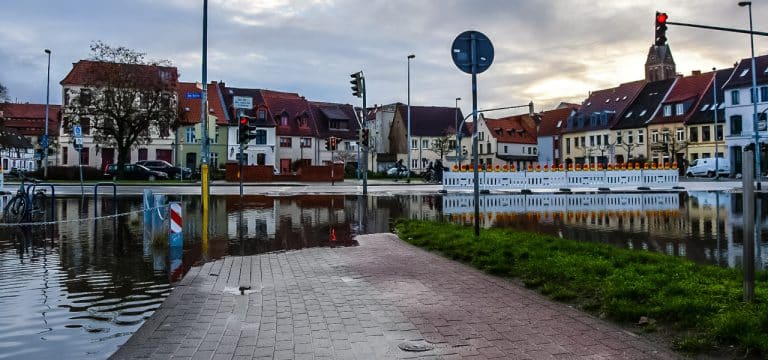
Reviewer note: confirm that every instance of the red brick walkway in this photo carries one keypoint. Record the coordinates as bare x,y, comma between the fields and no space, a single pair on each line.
361,303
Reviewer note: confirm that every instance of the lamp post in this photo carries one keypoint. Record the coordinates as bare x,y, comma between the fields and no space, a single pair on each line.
456,126
714,109
754,98
408,145
47,103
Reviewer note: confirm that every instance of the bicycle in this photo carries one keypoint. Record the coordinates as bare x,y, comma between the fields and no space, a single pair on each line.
27,205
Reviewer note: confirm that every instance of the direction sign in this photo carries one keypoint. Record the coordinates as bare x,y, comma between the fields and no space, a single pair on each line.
242,102
193,95
77,131
463,55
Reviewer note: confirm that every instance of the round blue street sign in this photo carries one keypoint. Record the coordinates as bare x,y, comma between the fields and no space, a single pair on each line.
464,58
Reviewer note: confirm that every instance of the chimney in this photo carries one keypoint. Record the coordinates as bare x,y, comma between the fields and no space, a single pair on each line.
695,72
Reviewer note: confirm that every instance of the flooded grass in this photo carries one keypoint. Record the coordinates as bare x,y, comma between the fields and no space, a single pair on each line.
701,304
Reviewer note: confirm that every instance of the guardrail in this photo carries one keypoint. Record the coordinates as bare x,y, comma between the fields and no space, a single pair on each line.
501,180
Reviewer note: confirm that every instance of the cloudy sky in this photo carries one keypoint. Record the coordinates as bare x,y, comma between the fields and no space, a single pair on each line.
546,51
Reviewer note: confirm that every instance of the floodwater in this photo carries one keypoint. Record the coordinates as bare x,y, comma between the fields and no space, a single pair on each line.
80,288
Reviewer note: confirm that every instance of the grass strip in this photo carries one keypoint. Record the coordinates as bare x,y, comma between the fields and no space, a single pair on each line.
701,303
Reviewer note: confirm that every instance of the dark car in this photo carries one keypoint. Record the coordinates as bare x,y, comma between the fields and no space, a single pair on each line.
135,172
174,172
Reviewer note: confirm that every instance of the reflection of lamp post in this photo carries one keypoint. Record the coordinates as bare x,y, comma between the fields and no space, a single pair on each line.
754,98
47,101
408,145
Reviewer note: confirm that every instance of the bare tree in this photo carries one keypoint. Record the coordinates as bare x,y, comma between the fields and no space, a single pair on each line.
344,156
629,147
441,145
126,99
669,144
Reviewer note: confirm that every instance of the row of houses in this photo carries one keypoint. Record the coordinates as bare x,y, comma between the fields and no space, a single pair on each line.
666,117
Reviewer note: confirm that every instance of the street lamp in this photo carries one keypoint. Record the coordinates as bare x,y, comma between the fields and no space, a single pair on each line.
754,98
408,145
47,102
456,126
714,109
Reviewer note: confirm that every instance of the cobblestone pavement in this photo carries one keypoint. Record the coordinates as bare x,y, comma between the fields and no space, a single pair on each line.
363,303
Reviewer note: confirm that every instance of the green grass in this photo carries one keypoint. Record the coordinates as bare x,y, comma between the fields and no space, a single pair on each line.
701,303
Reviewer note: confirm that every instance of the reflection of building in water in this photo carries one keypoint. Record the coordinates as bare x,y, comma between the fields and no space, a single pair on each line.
734,230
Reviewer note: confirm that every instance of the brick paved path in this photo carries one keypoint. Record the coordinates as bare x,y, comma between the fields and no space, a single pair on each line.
361,303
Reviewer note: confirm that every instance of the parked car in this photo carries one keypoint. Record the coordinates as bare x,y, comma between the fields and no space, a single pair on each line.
174,172
135,172
706,167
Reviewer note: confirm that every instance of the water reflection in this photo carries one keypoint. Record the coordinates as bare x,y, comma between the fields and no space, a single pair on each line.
81,288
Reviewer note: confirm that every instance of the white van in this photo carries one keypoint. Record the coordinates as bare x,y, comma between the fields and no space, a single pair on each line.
706,167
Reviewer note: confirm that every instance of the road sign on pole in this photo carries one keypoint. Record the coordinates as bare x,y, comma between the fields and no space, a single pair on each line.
242,102
472,52
77,131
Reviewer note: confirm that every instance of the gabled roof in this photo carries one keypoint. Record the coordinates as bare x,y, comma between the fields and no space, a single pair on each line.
228,94
554,121
742,74
610,102
516,129
687,90
190,98
325,112
87,72
431,120
705,113
29,119
294,106
645,105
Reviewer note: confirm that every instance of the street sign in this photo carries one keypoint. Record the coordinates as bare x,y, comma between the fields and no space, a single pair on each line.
242,102
193,95
464,58
45,141
78,141
78,131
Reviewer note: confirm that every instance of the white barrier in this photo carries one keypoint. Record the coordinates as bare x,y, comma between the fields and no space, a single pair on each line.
509,180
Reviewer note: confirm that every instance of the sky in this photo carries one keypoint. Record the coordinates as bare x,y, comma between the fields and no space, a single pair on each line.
546,51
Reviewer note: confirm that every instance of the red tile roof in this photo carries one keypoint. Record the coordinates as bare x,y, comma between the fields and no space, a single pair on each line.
190,98
516,129
550,120
688,90
295,107
29,119
88,72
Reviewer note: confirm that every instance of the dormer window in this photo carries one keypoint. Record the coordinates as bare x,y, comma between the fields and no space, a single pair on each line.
667,110
302,120
679,109
262,115
628,114
744,72
284,120
642,113
704,108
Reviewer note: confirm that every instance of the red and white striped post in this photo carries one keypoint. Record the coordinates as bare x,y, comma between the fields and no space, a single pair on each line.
176,237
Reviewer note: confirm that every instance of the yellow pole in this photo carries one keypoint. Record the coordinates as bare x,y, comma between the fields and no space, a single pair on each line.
204,178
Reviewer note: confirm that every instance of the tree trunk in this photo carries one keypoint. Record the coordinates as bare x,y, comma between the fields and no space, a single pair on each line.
123,157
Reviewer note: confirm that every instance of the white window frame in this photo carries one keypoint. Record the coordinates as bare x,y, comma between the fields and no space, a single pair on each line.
679,109
667,110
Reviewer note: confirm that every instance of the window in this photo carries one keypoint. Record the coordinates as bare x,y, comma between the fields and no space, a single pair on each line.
530,150
64,155
583,141
743,74
85,124
303,123
667,110
704,108
414,163
735,97
642,113
284,120
338,124
693,134
761,121
591,140
215,135
629,137
599,140
214,160
191,135
261,137
736,125
143,154
679,109
576,141
262,115
640,136
719,133
534,151
618,137
605,139
705,134
85,97
286,141
481,136
705,155
680,133
488,145
425,144
306,142
567,146
414,144
506,148
764,93
85,156
452,144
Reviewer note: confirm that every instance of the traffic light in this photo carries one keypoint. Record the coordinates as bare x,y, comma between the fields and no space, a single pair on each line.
358,84
366,137
661,28
243,130
333,142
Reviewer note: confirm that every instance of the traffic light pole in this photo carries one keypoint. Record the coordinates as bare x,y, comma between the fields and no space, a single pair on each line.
240,165
367,148
718,28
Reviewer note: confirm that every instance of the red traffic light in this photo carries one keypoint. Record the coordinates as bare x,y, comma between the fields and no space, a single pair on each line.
661,18
243,120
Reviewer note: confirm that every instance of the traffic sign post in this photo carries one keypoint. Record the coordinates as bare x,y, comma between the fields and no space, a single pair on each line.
472,52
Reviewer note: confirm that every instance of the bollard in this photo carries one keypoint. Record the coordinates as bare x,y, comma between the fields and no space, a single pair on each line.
748,199
176,236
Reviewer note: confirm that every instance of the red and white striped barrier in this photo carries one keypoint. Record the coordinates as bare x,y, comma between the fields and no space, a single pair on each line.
176,229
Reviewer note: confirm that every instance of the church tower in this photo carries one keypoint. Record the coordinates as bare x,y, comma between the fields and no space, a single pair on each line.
659,65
